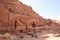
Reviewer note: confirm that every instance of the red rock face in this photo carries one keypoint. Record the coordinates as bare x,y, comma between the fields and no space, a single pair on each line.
16,16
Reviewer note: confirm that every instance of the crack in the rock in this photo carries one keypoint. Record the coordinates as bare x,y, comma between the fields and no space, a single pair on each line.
15,24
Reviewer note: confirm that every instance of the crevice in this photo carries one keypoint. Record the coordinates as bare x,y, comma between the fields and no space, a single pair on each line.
20,30
34,30
8,16
10,10
33,25
15,24
1,23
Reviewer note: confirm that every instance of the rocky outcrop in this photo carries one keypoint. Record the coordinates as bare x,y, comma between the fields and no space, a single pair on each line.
6,36
57,21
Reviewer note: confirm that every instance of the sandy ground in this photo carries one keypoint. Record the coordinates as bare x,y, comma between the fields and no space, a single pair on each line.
40,37
53,38
45,35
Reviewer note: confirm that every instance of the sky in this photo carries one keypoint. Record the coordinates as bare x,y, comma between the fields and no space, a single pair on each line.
45,8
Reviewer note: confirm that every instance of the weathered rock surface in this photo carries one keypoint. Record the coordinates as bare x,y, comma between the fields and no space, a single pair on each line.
57,21
18,17
6,36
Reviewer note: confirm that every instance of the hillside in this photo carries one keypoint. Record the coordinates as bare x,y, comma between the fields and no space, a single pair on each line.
16,17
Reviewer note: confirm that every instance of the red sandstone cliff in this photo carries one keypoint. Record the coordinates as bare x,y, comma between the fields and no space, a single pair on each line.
16,16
